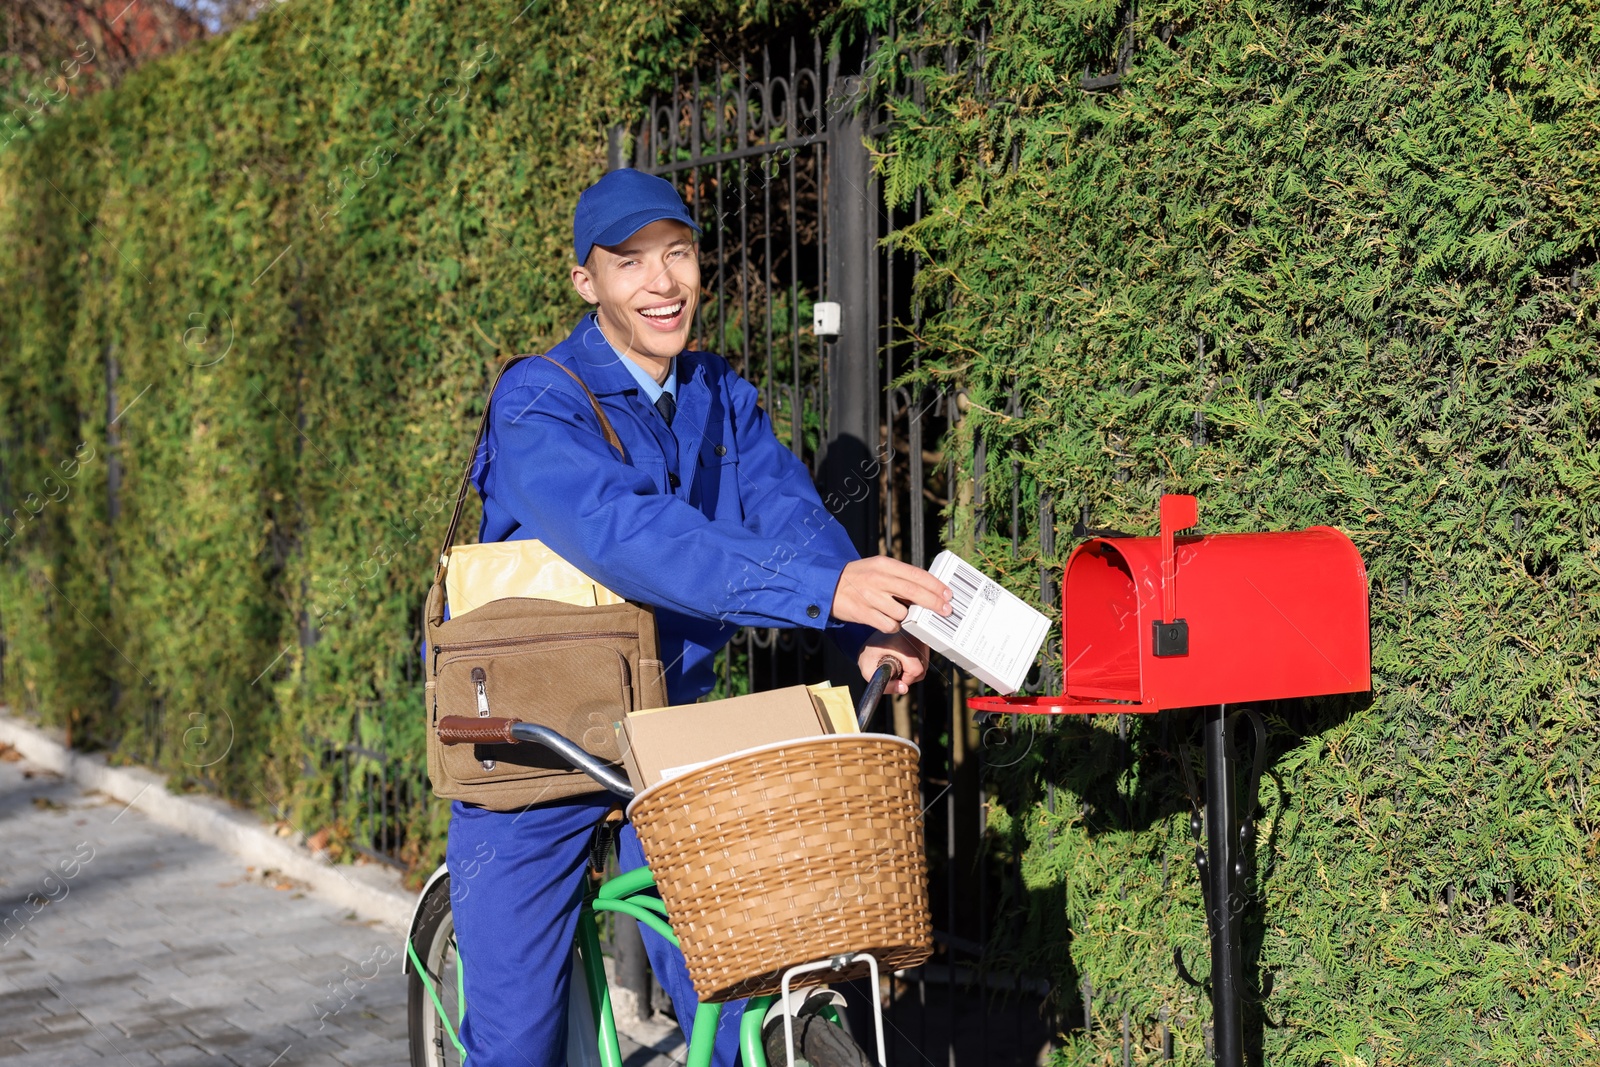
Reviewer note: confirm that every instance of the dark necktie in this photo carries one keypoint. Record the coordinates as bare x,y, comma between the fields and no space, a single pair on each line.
667,406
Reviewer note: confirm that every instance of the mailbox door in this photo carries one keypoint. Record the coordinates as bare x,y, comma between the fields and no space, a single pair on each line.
1100,624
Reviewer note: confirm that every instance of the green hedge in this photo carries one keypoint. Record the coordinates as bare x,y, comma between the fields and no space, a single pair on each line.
300,247
1315,263
1312,263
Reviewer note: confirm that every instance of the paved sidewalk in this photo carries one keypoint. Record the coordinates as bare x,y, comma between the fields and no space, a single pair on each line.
127,943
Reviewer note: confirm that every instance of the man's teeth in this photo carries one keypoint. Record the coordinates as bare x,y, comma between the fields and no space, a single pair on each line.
662,313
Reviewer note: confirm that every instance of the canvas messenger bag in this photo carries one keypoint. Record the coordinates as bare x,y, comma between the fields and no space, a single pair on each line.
577,668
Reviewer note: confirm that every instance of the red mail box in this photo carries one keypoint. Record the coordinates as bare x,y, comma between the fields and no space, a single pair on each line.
1174,622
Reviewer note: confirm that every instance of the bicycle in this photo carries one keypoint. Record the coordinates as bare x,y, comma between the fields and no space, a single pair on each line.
811,1033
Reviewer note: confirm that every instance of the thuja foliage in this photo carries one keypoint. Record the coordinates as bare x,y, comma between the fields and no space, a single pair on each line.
1314,263
249,303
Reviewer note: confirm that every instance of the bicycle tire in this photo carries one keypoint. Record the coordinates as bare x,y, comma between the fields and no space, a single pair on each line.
817,1043
434,944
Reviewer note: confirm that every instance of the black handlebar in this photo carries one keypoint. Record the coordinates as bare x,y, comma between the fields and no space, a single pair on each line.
888,668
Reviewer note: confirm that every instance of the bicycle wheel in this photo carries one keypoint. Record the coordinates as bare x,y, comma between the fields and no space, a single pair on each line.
817,1043
433,1041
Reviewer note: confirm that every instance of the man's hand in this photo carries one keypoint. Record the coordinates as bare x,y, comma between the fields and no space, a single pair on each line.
877,592
911,654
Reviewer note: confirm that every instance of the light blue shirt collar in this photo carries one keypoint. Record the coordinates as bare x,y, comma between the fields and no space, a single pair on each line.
648,386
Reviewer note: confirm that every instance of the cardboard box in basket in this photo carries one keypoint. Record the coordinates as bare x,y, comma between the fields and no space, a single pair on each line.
662,743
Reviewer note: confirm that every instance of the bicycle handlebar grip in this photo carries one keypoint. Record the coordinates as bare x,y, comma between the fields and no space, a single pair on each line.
888,667
461,730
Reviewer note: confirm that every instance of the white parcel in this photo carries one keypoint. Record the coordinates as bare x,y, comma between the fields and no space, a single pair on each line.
989,630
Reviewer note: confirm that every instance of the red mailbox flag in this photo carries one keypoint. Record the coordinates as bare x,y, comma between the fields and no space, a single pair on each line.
1178,513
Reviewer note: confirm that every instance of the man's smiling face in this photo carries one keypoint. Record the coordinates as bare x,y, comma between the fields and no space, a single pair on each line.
646,289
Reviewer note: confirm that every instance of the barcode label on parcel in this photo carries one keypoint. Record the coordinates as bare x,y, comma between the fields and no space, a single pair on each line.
989,631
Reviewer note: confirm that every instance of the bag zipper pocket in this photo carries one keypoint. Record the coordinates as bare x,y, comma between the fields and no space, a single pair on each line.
481,680
501,642
439,651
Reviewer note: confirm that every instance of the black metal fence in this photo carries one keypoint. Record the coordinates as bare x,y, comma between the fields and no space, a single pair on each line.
770,154
377,793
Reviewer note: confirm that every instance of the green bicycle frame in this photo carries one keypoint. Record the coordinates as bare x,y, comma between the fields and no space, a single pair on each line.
627,894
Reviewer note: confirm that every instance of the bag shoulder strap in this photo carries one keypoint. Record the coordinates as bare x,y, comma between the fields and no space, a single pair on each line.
606,430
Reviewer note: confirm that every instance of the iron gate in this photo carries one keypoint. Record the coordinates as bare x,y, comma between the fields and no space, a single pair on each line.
770,154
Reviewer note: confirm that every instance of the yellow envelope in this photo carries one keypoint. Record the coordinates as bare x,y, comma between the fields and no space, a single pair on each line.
838,706
477,574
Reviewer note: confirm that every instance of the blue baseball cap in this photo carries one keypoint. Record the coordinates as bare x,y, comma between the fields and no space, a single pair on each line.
621,204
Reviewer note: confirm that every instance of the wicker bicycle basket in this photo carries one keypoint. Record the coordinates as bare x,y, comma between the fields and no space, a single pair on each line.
789,853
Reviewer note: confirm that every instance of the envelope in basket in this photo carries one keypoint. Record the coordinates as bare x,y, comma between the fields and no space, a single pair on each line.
477,574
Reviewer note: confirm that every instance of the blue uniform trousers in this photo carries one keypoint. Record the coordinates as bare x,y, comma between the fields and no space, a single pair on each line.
516,883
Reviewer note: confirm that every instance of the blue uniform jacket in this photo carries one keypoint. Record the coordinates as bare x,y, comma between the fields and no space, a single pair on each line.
712,522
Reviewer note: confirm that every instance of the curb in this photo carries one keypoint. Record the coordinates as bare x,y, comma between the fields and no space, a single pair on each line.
370,891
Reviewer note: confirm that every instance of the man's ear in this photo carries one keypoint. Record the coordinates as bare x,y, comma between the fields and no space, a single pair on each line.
583,282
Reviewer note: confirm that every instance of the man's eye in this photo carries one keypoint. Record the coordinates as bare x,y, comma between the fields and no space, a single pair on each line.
628,263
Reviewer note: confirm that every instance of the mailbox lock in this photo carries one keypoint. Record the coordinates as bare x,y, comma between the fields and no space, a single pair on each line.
1171,638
